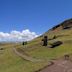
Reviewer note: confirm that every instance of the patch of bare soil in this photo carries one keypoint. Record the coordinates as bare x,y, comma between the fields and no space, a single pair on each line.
60,65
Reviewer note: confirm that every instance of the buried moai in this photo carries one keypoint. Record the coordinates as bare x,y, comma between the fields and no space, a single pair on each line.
45,41
66,57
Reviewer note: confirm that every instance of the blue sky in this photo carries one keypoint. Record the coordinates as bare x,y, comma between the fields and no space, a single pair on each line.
35,15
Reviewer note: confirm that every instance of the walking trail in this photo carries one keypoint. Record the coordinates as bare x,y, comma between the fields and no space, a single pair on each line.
60,65
26,56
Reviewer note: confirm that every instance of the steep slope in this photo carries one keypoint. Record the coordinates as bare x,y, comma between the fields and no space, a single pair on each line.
64,25
36,50
11,62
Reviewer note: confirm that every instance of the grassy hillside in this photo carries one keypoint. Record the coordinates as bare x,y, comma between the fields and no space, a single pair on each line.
11,62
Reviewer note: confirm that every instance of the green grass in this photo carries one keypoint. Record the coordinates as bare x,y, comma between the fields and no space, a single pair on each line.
45,52
10,62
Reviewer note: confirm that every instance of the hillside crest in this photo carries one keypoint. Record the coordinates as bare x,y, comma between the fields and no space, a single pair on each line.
67,24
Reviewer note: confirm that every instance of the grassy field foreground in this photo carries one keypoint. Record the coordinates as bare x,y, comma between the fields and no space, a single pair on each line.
10,62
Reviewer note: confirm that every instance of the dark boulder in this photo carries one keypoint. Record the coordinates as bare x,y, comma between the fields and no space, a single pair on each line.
66,27
55,44
1,48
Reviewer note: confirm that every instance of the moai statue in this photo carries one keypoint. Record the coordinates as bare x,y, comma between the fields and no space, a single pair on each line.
66,57
54,37
45,41
23,43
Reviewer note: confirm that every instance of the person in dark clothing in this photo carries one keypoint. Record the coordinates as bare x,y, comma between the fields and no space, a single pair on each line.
45,41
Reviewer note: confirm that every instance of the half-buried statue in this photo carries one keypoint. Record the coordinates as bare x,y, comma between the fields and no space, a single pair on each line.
45,41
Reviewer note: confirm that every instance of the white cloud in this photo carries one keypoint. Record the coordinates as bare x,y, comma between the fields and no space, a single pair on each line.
25,35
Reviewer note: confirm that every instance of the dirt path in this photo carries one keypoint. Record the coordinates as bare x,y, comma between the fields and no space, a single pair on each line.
59,66
25,56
